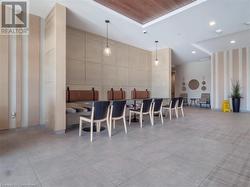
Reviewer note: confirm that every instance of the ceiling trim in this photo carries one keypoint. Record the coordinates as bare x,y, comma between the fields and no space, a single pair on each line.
202,49
175,12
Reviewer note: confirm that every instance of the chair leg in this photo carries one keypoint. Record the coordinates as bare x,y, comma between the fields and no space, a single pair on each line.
141,120
91,131
98,127
151,116
109,125
182,111
176,113
161,116
129,121
80,128
170,114
113,124
125,125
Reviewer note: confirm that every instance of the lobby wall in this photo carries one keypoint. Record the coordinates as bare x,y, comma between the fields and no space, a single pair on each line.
200,71
228,66
20,78
128,67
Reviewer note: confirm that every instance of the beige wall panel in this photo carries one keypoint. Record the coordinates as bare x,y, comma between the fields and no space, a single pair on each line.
34,65
220,78
109,75
60,116
235,64
75,71
75,44
93,73
122,77
19,69
244,78
94,48
4,82
122,55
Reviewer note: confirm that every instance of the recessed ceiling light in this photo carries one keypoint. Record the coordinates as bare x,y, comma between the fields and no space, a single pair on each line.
219,31
247,23
232,41
212,23
145,32
193,52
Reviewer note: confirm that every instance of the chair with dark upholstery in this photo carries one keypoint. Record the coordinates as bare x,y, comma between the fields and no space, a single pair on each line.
157,109
99,113
172,107
117,112
145,109
205,100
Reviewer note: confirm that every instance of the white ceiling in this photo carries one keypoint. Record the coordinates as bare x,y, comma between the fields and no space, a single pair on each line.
183,32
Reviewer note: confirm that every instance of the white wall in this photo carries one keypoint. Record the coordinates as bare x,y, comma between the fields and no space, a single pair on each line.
194,70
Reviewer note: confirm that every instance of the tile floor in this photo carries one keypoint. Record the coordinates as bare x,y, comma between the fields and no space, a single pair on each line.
204,149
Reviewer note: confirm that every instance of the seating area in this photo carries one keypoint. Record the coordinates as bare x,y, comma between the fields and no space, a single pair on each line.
124,93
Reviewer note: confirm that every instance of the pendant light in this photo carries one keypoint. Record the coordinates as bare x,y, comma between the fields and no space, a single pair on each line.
107,50
156,55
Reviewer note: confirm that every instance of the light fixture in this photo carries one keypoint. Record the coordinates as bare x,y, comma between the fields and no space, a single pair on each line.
219,31
193,52
212,23
232,41
156,55
107,50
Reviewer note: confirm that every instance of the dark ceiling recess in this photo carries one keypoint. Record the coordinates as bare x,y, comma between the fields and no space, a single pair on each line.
144,11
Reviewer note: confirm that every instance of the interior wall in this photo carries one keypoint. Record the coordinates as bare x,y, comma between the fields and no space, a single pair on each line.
4,82
228,66
128,67
20,82
161,74
200,71
55,68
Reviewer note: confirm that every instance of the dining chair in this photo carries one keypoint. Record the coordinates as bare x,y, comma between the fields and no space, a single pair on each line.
99,113
180,105
117,112
172,107
157,109
145,109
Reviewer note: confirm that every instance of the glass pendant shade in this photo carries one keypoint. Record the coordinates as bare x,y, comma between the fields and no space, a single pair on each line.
156,54
156,62
107,51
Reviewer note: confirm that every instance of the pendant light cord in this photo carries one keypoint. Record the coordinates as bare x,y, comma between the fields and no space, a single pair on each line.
107,38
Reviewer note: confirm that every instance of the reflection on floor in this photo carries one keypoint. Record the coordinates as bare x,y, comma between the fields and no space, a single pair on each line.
203,149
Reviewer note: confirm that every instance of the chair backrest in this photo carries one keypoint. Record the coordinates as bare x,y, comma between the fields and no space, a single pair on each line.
118,108
205,97
180,102
157,104
174,103
184,95
146,105
101,109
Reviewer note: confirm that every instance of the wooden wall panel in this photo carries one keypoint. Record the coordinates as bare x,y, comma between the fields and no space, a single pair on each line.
4,82
127,67
34,64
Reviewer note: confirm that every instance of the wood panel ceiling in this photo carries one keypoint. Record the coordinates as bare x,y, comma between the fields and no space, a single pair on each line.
144,11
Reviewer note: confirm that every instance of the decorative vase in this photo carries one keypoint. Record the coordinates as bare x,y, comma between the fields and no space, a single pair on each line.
236,104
